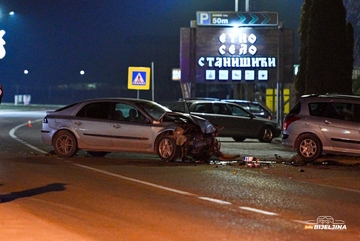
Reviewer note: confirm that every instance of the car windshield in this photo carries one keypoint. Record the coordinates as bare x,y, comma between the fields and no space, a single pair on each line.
153,109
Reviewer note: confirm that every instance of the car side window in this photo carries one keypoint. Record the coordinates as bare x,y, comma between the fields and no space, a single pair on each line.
316,109
357,112
178,107
129,113
220,109
99,110
237,111
334,110
203,108
256,108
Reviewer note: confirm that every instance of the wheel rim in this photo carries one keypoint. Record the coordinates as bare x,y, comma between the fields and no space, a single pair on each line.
308,148
267,134
64,144
166,148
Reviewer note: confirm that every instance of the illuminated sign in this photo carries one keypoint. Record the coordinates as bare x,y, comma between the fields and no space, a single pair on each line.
236,54
139,78
237,19
2,43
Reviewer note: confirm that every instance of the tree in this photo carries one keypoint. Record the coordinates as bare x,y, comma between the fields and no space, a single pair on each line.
326,54
303,35
353,15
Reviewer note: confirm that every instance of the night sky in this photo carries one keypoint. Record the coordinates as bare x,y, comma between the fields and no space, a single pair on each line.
55,39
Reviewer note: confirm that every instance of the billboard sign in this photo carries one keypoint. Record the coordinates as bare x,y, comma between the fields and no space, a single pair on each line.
236,54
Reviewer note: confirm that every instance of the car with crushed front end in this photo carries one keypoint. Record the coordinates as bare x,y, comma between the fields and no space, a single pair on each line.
237,122
101,126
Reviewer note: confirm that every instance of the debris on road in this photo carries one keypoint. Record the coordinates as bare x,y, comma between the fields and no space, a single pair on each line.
223,163
250,161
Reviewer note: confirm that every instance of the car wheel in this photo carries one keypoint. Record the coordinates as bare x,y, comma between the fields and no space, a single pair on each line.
309,147
167,149
239,138
65,144
97,153
266,134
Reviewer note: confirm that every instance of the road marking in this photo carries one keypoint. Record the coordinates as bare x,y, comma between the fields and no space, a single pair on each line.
12,134
214,200
135,180
259,211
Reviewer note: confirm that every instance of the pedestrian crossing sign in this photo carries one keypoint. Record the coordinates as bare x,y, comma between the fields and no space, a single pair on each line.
139,78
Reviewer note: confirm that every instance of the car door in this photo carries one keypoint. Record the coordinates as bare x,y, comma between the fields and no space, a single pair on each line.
134,132
339,126
222,116
246,125
93,126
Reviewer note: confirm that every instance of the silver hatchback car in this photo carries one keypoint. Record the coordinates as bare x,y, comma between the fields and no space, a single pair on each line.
323,124
100,126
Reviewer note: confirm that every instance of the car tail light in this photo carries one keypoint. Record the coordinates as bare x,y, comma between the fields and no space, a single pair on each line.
288,120
45,120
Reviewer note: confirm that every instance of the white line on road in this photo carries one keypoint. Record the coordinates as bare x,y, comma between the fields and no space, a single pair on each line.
214,200
135,180
259,211
12,134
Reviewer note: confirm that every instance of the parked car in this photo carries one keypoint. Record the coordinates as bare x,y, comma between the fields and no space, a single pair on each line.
238,123
323,124
100,126
254,107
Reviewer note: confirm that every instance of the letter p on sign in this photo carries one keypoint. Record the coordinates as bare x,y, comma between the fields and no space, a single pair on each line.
203,18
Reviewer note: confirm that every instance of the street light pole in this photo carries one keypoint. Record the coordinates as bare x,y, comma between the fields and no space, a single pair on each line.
247,5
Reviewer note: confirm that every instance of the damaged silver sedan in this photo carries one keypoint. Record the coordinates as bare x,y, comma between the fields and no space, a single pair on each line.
101,126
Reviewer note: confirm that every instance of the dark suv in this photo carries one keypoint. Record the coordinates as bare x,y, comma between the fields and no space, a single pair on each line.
323,124
238,123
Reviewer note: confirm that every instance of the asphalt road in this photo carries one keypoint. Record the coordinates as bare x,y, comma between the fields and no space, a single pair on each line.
138,197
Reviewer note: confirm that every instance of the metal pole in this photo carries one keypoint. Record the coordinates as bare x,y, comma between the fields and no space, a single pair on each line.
236,5
247,6
152,82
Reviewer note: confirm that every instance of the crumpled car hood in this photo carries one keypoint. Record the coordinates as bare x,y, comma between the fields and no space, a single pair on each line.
205,125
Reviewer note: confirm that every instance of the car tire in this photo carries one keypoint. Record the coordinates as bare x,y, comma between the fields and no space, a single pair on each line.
266,134
309,147
97,153
239,138
65,144
167,149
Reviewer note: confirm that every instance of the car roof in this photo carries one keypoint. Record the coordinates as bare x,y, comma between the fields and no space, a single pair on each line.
197,98
240,101
74,106
331,96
